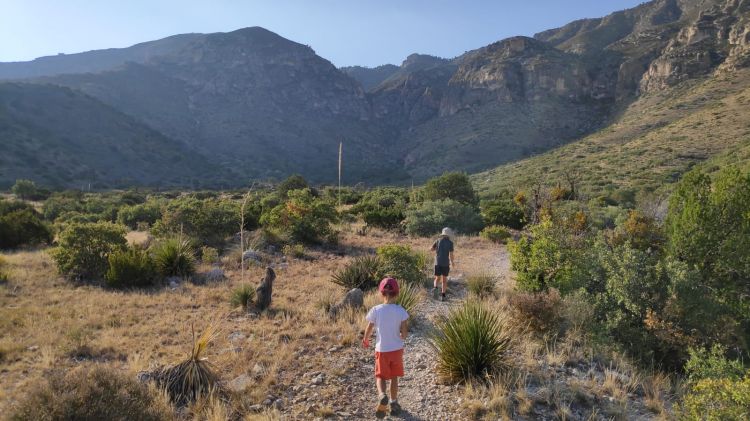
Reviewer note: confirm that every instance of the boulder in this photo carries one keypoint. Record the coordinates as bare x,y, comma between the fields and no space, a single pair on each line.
355,298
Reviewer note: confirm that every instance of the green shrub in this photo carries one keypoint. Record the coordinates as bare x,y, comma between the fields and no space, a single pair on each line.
712,399
481,285
471,343
712,364
59,204
4,277
409,296
503,212
303,218
24,189
134,215
209,255
92,393
294,250
349,196
131,268
363,272
382,207
293,182
83,249
454,186
242,296
402,263
496,234
208,221
23,228
428,218
175,257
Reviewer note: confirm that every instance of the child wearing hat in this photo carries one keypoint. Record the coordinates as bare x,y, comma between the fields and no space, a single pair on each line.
389,321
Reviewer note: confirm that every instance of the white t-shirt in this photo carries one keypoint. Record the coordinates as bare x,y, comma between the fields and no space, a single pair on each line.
387,319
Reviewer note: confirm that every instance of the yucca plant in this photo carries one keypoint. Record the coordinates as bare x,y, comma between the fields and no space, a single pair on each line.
242,296
471,343
193,378
481,285
409,296
363,273
175,257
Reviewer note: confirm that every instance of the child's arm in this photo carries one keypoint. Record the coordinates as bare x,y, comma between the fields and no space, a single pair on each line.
368,333
404,329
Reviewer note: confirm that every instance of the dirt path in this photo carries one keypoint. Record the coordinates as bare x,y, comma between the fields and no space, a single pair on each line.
421,397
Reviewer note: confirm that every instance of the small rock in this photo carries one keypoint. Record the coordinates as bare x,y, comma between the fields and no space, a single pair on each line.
256,408
33,348
311,408
267,402
258,370
173,281
318,380
278,404
354,299
214,275
251,254
236,336
240,383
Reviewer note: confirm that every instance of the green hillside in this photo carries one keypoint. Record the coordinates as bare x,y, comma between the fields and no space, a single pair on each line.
63,138
649,145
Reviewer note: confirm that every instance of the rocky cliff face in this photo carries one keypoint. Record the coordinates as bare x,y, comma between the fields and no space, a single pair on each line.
268,106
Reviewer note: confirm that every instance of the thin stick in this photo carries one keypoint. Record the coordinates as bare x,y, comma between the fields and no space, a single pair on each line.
242,233
341,148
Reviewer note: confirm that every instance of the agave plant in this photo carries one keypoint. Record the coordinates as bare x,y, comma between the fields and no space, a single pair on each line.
194,377
242,296
362,273
471,343
409,296
175,257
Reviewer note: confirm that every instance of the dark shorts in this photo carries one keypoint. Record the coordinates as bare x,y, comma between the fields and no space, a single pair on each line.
442,270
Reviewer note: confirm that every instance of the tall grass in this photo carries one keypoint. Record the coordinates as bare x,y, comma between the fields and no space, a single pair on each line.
242,296
471,343
409,296
481,285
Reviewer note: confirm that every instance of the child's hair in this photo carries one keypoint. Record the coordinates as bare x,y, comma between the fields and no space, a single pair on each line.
389,293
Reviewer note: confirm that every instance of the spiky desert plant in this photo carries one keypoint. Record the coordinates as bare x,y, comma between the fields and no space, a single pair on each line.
175,257
471,343
363,272
242,296
409,296
194,377
481,285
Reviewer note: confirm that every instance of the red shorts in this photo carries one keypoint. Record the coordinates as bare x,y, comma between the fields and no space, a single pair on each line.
389,364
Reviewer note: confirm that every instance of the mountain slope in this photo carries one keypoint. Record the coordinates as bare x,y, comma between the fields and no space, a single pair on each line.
63,138
655,141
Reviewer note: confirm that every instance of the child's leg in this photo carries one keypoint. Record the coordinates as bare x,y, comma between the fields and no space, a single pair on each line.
394,389
434,283
444,279
381,386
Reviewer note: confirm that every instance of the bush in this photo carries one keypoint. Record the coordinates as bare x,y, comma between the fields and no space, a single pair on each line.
59,204
208,221
540,311
303,218
242,296
24,189
503,212
209,255
409,295
428,218
712,399
83,249
132,268
362,272
175,257
481,285
471,343
20,228
92,393
712,364
402,263
293,182
382,207
4,277
294,250
496,234
454,186
136,215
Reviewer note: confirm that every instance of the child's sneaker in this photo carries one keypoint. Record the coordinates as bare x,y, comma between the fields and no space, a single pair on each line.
442,297
395,408
382,406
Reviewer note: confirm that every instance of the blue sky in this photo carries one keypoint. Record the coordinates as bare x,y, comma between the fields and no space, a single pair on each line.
346,32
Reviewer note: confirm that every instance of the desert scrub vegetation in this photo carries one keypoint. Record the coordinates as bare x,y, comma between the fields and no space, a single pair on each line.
303,218
383,207
92,393
496,234
83,249
481,285
208,221
175,257
131,268
409,296
402,263
471,343
503,212
21,225
429,217
363,272
243,296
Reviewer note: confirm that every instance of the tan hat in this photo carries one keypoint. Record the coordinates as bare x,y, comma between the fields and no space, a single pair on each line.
446,231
